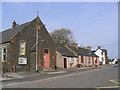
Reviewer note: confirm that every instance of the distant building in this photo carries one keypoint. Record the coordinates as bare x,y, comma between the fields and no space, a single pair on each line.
83,56
102,53
113,61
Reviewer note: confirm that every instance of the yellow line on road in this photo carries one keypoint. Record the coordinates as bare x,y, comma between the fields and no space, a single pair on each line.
114,81
98,88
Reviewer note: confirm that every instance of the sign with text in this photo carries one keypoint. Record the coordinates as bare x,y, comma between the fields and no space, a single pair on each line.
22,60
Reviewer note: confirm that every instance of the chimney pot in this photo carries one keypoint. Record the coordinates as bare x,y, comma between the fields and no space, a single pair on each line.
99,47
14,24
74,44
89,48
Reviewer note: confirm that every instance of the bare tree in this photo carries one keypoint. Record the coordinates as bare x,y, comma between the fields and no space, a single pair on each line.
62,36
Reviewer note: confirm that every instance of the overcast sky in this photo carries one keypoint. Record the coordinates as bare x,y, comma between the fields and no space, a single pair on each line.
91,23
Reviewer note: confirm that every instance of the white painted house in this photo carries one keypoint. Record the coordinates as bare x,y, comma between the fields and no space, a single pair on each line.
102,55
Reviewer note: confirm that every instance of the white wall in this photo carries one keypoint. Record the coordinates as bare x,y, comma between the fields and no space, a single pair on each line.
74,60
99,53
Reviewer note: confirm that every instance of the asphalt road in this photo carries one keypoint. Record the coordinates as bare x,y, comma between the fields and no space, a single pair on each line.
106,77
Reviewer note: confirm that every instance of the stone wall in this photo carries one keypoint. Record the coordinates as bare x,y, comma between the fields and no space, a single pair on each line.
59,60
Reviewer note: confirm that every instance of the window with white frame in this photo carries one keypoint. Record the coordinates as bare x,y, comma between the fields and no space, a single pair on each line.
22,47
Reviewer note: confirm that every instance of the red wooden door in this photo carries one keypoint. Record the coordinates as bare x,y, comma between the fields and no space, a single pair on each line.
46,58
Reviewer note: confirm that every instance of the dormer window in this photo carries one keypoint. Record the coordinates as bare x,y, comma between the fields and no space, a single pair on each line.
22,47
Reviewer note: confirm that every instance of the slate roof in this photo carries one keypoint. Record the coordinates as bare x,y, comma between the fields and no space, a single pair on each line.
78,52
8,34
93,54
94,51
104,50
81,51
64,51
86,51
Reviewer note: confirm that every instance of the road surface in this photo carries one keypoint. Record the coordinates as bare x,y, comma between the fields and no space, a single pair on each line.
106,77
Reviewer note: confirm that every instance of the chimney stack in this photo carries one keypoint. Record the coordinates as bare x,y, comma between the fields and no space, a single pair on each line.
14,24
74,44
89,48
99,47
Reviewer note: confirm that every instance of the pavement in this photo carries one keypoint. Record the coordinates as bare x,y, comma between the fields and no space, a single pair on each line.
21,75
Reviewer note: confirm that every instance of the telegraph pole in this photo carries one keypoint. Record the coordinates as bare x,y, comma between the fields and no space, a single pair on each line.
38,28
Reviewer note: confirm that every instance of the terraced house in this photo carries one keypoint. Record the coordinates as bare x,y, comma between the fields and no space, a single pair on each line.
65,58
83,55
19,46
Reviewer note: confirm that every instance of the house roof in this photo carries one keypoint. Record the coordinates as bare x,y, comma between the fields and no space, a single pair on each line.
74,49
93,54
82,51
8,34
94,51
104,50
86,51
64,51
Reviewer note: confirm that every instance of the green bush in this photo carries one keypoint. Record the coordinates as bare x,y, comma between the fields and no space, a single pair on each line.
116,62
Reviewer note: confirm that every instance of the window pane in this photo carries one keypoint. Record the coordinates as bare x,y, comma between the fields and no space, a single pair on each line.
22,48
22,44
4,50
4,57
22,51
45,51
